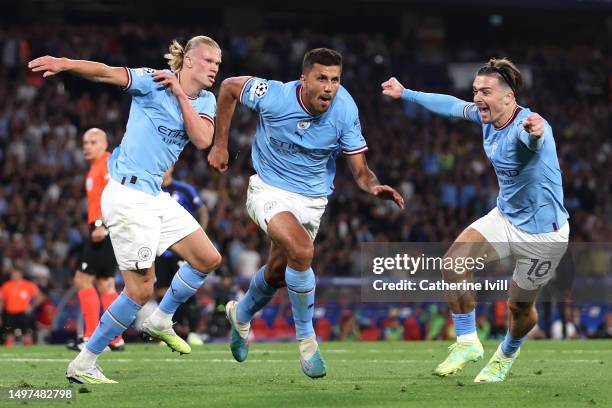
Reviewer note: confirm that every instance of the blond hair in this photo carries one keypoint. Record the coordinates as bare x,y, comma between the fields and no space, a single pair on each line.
176,52
505,70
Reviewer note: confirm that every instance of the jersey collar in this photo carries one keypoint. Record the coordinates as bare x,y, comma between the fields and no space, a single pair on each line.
298,95
514,115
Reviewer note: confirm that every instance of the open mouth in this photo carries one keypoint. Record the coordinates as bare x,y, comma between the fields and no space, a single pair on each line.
484,110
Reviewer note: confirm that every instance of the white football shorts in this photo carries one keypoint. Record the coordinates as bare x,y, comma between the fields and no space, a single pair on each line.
537,255
142,226
265,201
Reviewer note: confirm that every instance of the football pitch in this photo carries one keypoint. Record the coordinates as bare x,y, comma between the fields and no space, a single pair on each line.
380,374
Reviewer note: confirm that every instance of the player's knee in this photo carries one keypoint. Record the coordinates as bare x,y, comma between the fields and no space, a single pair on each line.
106,286
140,295
212,263
82,281
215,262
206,264
301,254
450,273
144,296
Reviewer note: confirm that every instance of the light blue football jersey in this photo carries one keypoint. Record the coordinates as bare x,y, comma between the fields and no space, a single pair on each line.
293,149
528,171
155,134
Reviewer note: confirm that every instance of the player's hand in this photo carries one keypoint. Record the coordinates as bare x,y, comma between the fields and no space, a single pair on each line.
534,125
218,158
170,81
393,88
388,193
50,65
98,234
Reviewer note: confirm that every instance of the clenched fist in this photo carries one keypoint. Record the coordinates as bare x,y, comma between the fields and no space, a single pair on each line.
534,125
393,88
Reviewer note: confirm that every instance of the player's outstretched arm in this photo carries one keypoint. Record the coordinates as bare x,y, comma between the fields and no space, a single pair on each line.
229,94
440,104
368,182
93,71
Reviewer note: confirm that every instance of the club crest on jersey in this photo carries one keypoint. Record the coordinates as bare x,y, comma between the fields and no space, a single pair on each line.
493,148
303,124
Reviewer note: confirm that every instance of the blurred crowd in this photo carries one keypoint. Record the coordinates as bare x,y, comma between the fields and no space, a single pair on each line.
437,164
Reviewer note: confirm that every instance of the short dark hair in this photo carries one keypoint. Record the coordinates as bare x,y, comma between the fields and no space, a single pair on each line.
323,56
506,71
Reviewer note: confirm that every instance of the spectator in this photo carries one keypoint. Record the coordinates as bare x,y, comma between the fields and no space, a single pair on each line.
394,330
604,331
347,328
435,323
483,327
249,261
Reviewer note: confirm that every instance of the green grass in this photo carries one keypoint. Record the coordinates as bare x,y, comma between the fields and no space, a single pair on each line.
559,374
